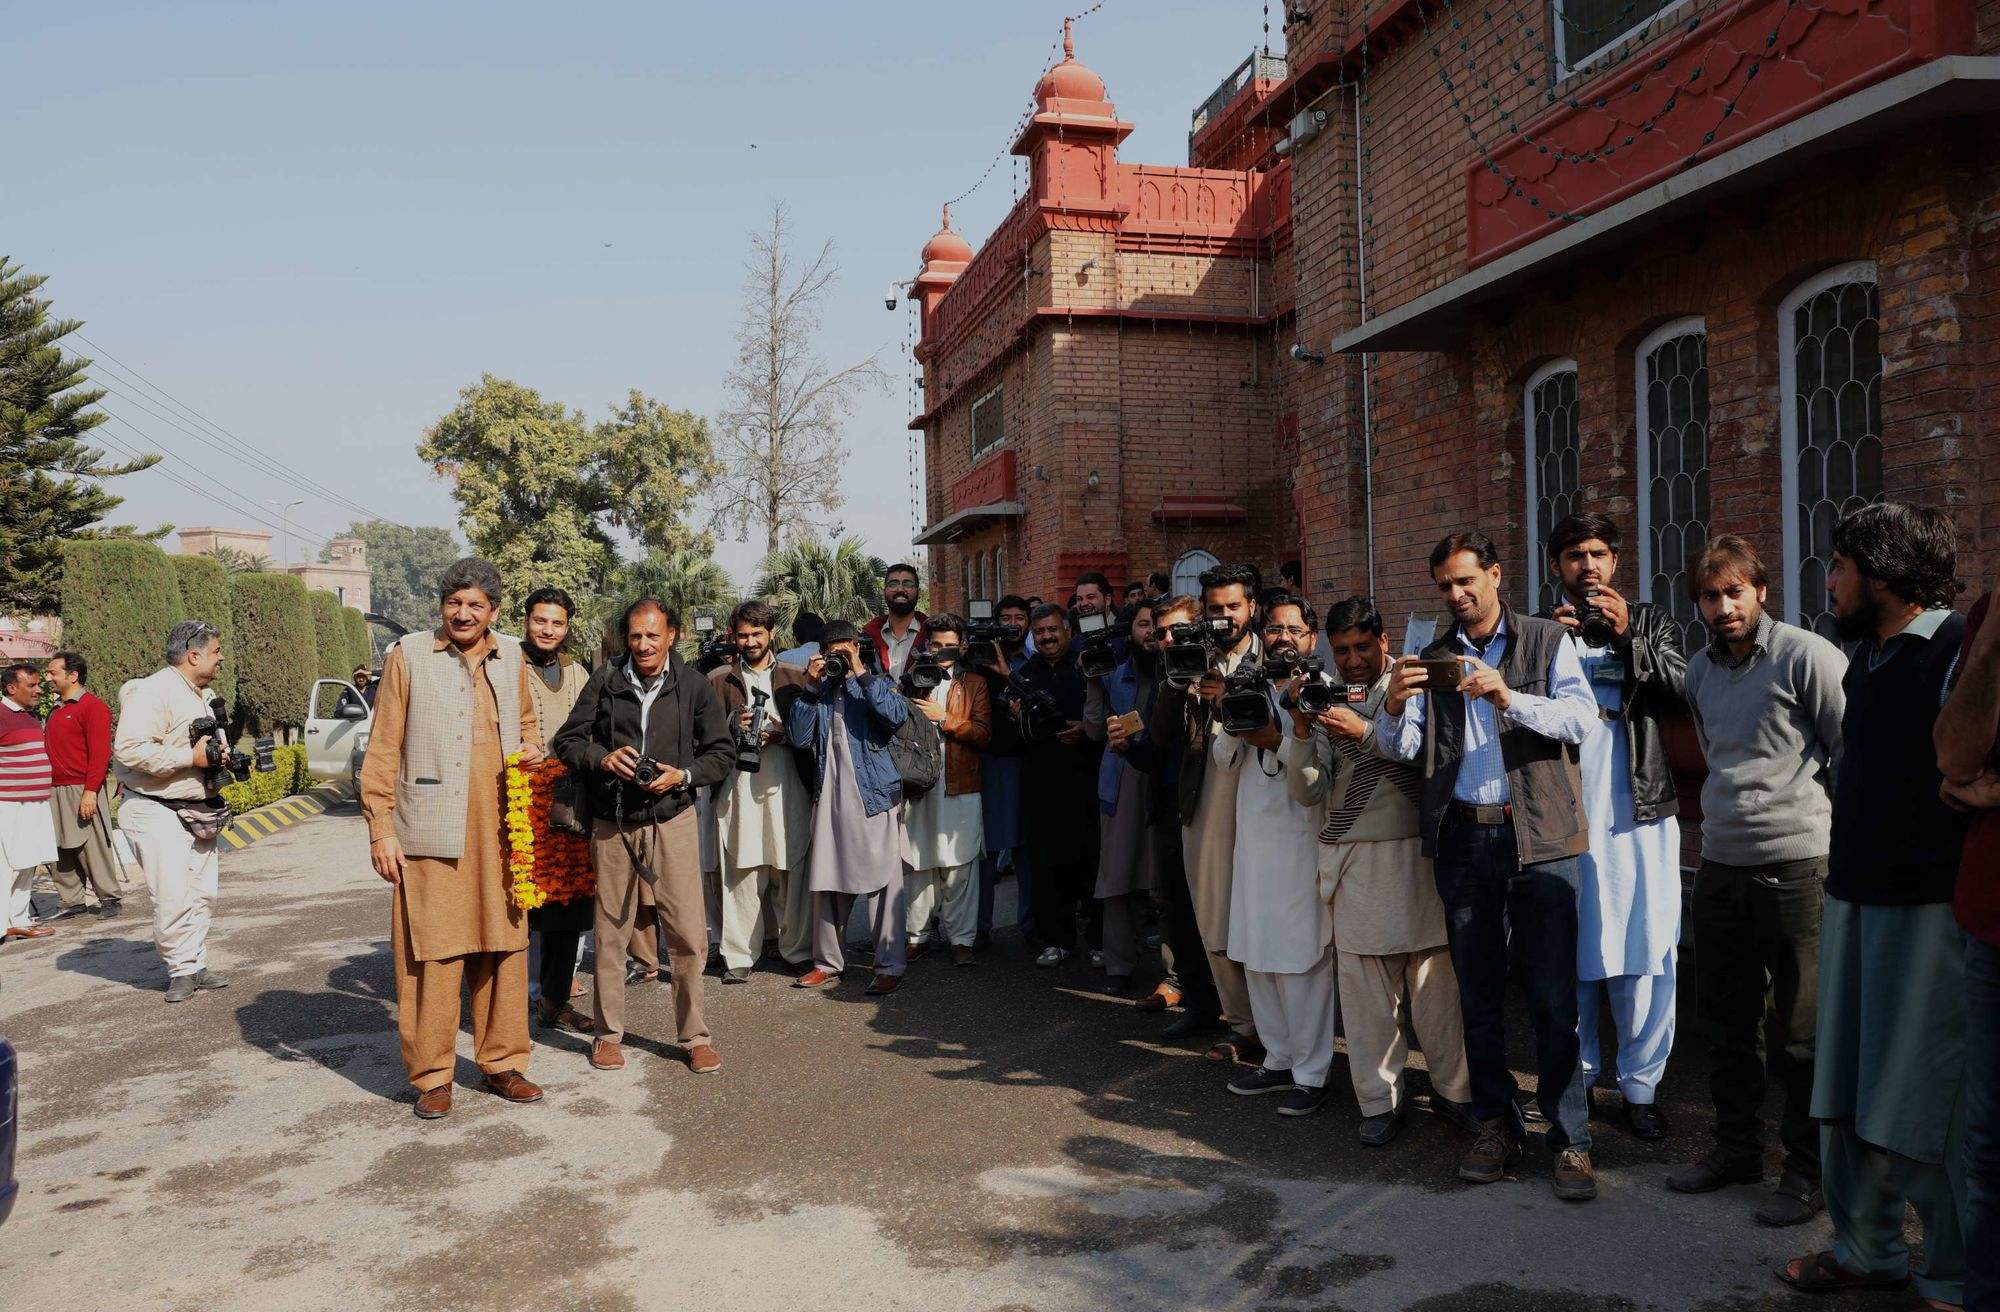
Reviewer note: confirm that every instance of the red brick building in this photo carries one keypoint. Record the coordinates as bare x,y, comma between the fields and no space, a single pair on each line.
1715,265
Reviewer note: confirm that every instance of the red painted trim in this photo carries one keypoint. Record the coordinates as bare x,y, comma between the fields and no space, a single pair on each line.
989,482
1199,510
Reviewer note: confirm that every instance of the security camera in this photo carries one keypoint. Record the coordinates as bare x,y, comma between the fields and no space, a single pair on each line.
1303,356
889,301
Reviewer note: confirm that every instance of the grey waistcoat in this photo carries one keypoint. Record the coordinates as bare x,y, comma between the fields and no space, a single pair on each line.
437,740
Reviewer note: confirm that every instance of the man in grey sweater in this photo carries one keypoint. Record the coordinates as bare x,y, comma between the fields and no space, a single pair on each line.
1767,704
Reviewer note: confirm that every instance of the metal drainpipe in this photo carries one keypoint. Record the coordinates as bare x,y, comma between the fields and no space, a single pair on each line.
1367,413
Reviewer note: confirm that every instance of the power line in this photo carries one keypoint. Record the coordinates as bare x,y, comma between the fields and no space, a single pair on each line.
210,491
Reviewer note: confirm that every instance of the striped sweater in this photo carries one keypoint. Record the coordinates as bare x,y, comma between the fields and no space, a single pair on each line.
24,758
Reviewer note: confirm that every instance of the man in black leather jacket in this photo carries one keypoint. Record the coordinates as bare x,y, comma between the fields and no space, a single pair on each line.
1629,908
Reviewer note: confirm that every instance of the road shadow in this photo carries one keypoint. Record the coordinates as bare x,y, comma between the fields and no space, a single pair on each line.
109,954
347,1027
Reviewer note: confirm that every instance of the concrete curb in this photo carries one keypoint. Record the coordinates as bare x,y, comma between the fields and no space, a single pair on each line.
266,820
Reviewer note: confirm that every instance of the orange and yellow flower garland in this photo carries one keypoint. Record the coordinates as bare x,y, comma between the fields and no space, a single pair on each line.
543,866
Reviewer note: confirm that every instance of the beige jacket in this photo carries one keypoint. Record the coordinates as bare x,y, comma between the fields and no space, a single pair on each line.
150,751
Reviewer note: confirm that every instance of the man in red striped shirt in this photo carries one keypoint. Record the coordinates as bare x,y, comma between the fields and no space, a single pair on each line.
79,739
27,830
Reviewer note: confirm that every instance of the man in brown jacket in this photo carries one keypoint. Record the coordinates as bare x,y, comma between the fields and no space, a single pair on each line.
944,829
453,705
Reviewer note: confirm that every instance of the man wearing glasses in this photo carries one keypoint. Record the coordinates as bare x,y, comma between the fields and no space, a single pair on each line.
902,628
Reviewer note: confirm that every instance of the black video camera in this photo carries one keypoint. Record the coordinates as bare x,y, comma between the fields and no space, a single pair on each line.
750,741
1197,646
981,627
1040,715
1097,657
927,669
715,649
1591,627
1246,693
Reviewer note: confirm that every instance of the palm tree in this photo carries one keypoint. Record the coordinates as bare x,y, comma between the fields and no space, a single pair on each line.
843,582
689,581
235,561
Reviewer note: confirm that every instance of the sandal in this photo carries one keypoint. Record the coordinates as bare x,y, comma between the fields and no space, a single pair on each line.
1822,1273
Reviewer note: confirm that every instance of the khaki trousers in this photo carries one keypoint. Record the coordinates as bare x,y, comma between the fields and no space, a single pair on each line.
427,1008
648,873
1375,994
948,893
181,874
92,859
755,895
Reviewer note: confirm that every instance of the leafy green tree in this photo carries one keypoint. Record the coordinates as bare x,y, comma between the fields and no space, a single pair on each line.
330,636
277,658
839,582
119,598
50,479
205,596
540,490
405,565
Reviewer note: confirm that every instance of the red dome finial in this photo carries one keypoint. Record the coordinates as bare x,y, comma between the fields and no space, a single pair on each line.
1069,80
946,246
1069,42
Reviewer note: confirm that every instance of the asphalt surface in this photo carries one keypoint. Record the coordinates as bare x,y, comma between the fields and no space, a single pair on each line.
999,1138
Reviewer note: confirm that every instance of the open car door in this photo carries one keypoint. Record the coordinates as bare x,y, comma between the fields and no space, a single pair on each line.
334,718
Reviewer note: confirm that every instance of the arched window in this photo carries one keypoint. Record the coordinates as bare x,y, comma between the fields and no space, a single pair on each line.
1670,369
1188,571
999,573
1830,419
1548,406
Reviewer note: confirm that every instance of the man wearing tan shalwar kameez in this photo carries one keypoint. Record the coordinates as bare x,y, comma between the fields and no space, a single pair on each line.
452,921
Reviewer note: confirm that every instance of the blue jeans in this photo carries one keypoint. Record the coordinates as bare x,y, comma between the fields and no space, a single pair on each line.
1490,897
1982,1126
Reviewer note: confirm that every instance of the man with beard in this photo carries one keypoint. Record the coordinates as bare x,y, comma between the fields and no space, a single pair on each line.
1058,782
1888,1088
1125,844
1184,721
901,628
555,679
1279,929
1766,701
763,817
1374,876
1629,910
1504,827
943,830
845,717
1000,776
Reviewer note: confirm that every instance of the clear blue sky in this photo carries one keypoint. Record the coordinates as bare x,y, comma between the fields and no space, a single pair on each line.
315,223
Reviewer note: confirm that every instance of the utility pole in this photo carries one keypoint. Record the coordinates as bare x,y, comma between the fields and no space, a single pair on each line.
285,519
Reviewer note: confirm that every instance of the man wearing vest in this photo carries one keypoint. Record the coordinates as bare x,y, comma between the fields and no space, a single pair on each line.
1502,821
555,679
943,830
1389,923
649,733
1889,1082
453,705
763,816
1968,746
1629,913
846,722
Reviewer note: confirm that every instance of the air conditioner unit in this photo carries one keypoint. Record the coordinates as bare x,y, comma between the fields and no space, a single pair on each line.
1305,126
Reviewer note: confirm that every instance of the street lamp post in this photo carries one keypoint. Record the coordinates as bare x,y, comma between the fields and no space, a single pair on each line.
285,519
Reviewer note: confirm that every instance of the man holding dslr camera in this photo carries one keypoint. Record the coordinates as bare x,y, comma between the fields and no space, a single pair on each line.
1000,648
763,815
170,756
943,830
1058,782
650,733
1629,906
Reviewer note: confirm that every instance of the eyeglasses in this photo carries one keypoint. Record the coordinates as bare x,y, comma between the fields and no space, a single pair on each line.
1287,630
899,587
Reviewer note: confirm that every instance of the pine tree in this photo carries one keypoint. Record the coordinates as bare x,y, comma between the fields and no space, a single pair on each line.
50,479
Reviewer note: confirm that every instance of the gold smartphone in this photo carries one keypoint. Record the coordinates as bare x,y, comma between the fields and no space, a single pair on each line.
1131,721
1444,673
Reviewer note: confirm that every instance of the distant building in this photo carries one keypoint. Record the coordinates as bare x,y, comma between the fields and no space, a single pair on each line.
344,573
29,638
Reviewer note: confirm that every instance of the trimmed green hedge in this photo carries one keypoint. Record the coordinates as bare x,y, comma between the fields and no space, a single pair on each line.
360,651
330,636
119,598
278,658
288,775
205,596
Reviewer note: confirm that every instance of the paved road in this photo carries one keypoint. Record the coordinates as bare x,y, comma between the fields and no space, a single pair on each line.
997,1139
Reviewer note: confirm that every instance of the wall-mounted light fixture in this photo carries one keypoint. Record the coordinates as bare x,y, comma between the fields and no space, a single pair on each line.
1303,356
1091,480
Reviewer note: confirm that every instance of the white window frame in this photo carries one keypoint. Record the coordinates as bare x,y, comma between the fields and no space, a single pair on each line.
1174,574
1559,46
1788,419
1536,532
972,417
1659,337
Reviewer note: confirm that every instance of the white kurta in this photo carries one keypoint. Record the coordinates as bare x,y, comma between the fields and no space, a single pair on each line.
765,818
1629,910
27,835
1278,923
940,832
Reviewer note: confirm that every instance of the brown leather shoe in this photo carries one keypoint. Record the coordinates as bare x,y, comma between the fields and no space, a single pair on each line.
433,1103
815,979
883,985
963,956
32,931
514,1087
607,1055
1163,996
1497,1148
702,1060
1576,1179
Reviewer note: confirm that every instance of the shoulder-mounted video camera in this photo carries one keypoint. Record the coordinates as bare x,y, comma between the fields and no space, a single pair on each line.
980,626
1196,649
1040,715
715,649
1097,657
1245,706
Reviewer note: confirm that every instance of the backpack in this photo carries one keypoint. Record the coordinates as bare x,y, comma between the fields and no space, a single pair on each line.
918,752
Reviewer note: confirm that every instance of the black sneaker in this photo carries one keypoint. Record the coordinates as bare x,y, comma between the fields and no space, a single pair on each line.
1379,1129
1303,1100
1456,1113
1262,1081
114,907
736,975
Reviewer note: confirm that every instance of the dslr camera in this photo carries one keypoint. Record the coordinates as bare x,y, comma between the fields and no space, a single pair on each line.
750,741
1591,626
715,649
1197,646
225,764
1097,657
645,772
834,667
